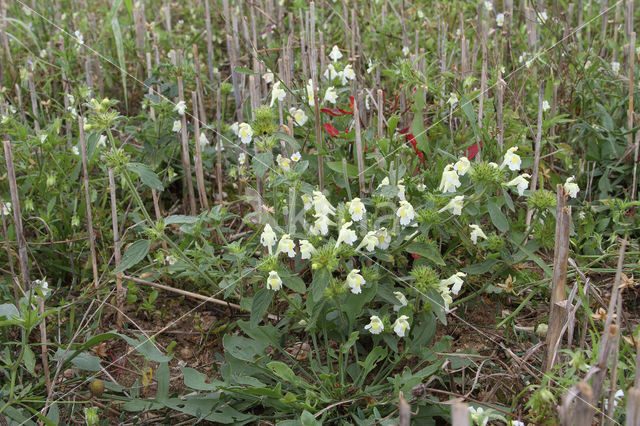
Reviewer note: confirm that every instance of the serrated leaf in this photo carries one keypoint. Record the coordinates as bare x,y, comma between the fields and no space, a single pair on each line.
427,251
134,254
262,162
146,175
260,304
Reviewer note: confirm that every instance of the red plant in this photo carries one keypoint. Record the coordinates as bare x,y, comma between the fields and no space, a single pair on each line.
473,150
331,130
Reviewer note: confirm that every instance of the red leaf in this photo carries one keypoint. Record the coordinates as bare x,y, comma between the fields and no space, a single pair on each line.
335,112
415,256
413,141
351,102
331,130
403,131
473,150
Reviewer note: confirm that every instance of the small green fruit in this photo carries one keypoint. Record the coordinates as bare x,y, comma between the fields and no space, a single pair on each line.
96,387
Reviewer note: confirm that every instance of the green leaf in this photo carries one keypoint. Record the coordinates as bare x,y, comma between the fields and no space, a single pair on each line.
243,348
534,257
288,139
162,377
262,163
146,175
242,70
195,380
9,310
508,201
423,334
86,362
480,268
427,251
179,219
353,337
144,346
437,304
129,5
418,131
81,360
295,283
319,283
497,217
29,360
336,166
468,111
284,372
260,304
307,419
134,254
376,355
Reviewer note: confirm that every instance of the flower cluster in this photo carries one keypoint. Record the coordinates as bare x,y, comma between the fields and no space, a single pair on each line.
400,326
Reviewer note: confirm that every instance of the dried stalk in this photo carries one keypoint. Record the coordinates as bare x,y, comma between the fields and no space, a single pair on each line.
380,114
610,335
207,21
558,310
483,75
116,247
404,411
23,258
87,197
630,67
190,294
219,142
167,15
583,408
459,414
316,94
633,405
156,209
202,194
537,148
34,102
499,111
186,160
14,278
152,111
359,152
202,115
